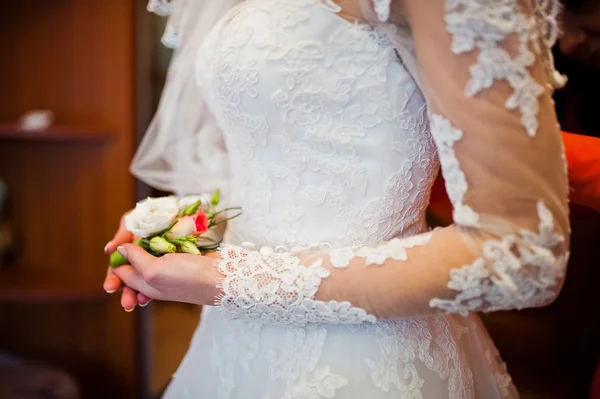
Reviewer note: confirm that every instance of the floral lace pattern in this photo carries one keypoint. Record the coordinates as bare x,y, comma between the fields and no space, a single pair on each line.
394,249
239,344
407,344
483,26
323,127
275,287
456,183
297,366
514,272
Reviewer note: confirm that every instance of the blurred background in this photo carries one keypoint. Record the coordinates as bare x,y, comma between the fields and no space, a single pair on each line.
99,67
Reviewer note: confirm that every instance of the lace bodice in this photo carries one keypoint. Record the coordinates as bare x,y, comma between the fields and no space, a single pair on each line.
333,130
309,111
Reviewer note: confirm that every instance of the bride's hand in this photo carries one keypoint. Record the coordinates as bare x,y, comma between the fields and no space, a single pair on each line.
112,283
172,277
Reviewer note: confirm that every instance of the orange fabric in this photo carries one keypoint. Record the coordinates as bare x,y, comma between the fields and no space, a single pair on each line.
583,158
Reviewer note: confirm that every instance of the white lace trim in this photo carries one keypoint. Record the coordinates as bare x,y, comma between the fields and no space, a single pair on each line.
276,288
394,249
514,272
445,136
484,25
382,9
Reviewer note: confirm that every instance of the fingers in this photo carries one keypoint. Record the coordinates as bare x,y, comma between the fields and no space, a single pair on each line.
131,278
128,299
139,259
122,236
143,300
112,283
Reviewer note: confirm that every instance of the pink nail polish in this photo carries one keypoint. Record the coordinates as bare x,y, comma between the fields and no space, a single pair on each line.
143,305
106,246
122,251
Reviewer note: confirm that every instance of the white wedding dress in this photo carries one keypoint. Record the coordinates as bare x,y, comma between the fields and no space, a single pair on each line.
331,148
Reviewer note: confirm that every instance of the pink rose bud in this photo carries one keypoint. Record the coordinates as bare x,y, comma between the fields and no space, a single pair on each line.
186,226
201,222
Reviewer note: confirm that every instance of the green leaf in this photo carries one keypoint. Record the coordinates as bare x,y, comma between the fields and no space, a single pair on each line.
192,209
215,198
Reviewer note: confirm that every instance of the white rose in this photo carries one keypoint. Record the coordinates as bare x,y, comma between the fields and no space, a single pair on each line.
188,200
151,216
186,226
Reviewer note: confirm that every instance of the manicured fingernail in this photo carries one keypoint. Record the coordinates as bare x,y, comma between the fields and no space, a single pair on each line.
106,246
110,291
122,251
129,310
143,305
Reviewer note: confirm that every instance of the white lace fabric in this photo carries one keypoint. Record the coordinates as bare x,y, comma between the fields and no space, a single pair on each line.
274,287
329,140
500,151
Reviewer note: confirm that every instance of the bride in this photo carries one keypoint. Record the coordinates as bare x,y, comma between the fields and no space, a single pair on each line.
327,121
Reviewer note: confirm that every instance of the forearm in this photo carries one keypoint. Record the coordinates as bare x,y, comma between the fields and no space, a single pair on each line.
403,287
453,270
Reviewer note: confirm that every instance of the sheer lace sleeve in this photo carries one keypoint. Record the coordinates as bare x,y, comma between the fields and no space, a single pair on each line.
485,72
183,150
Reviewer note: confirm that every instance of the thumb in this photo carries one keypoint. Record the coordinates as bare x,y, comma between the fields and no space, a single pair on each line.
138,258
121,236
